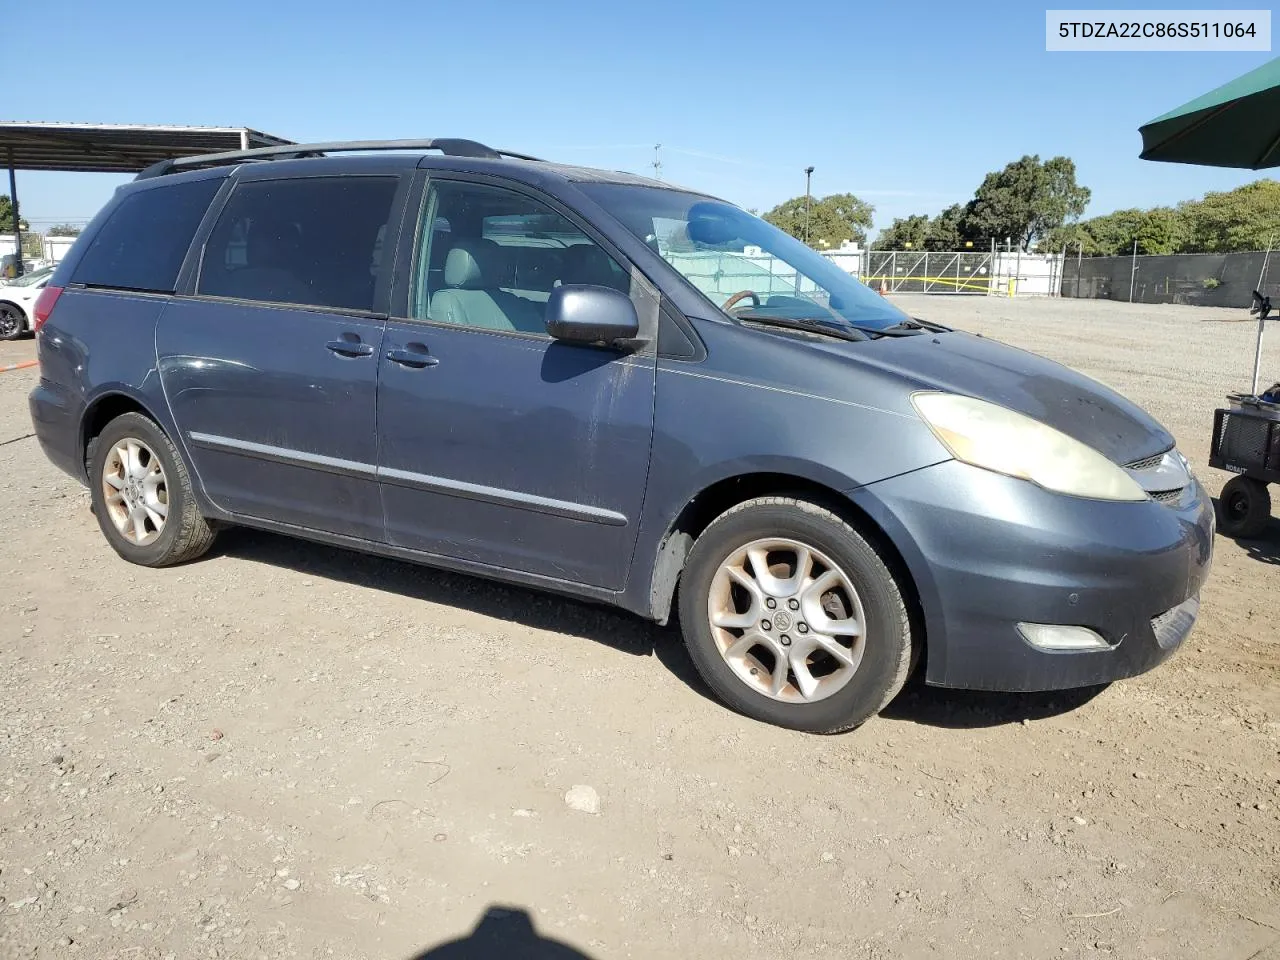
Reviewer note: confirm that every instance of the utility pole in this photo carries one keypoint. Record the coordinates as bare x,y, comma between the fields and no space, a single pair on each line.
808,200
657,161
1133,271
1262,319
1017,271
13,205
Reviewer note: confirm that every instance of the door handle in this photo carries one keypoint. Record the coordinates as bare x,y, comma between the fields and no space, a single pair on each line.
349,348
417,359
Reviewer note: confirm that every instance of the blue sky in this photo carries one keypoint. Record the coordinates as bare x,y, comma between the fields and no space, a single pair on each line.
906,105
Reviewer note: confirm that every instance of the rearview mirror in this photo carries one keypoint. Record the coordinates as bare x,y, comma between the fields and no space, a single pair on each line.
712,231
583,313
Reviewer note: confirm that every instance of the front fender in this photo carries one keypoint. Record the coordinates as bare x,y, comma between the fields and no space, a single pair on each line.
710,427
868,499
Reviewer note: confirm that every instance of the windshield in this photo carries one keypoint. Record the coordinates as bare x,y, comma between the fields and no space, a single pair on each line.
31,279
725,251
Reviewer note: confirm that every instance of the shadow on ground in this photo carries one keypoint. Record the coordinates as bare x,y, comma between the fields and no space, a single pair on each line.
1265,548
503,933
621,631
973,709
526,607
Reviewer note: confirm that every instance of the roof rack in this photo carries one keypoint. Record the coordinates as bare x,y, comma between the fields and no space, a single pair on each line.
449,146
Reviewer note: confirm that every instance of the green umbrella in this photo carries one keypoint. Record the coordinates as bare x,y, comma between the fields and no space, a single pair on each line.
1237,125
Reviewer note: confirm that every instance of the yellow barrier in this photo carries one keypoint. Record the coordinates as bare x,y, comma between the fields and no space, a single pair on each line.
983,285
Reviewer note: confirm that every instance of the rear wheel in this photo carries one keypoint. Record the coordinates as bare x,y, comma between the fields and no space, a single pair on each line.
12,322
1244,507
793,618
142,495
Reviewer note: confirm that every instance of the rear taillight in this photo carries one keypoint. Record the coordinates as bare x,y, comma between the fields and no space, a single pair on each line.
44,305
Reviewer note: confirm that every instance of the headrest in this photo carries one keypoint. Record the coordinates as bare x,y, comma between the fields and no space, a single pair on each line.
587,263
473,264
270,242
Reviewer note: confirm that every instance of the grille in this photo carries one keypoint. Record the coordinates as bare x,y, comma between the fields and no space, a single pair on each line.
1172,626
1151,471
1243,440
1146,463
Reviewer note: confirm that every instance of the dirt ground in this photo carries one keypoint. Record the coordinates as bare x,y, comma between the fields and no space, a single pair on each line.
286,750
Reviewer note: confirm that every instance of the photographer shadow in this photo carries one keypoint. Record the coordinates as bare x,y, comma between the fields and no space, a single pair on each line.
503,933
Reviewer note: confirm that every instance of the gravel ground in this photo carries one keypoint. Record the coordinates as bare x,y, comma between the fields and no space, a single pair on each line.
286,750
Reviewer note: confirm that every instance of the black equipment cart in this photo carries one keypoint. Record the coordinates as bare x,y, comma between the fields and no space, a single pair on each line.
1246,442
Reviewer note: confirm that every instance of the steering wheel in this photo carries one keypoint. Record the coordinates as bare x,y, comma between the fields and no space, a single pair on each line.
739,297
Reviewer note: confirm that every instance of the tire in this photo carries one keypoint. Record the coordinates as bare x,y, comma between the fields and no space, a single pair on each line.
870,671
13,323
1244,508
172,529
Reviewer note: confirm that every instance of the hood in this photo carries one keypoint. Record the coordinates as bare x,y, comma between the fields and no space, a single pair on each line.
1055,395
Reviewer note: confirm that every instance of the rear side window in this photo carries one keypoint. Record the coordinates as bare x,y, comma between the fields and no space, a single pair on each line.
316,242
143,243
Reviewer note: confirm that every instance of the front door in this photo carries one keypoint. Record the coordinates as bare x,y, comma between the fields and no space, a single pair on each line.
271,368
499,445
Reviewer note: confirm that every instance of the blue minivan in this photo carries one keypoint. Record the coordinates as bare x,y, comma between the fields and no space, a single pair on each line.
594,383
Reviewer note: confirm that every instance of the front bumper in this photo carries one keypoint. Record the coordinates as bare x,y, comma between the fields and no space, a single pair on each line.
987,552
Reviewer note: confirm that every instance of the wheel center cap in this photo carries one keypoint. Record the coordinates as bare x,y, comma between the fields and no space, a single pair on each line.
782,620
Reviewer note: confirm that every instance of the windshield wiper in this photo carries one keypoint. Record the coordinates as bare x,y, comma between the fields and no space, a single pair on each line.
915,323
852,332
897,330
854,335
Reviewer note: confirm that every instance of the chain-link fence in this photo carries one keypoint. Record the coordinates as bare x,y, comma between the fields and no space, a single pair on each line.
929,272
1202,279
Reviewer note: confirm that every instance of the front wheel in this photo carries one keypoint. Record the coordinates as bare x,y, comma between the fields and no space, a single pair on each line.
793,618
142,495
1244,508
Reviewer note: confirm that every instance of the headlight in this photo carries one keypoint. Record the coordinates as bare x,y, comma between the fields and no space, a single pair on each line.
990,436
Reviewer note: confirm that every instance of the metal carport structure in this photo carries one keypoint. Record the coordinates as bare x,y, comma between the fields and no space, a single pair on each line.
110,148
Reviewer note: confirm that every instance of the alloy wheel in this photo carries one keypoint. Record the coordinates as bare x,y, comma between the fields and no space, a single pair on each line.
787,620
136,491
10,323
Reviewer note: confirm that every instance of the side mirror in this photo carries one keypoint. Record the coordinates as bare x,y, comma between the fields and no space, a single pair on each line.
583,313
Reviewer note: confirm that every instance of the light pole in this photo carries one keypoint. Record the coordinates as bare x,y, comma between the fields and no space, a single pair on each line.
808,173
1133,271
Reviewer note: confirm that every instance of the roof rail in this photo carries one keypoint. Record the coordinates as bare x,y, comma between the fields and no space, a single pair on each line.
449,146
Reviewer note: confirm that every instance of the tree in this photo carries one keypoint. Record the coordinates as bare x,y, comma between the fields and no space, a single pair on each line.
1242,219
6,215
1246,218
1071,236
949,230
903,232
1027,199
1159,230
833,219
952,227
64,230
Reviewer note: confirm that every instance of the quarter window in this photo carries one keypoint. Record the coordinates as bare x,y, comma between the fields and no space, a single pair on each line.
143,243
489,258
317,242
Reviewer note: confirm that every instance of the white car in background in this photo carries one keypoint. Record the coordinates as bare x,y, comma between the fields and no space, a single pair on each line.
17,297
